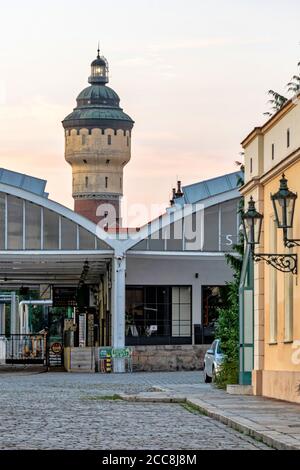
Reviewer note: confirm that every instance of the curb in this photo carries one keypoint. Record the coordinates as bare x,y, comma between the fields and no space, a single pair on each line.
242,427
237,423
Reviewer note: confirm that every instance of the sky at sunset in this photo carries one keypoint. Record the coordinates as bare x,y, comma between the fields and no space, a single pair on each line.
193,75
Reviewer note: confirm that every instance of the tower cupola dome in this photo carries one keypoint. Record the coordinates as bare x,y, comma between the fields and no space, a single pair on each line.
98,146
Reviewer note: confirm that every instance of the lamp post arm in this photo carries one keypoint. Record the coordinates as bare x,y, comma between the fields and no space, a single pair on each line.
284,262
290,242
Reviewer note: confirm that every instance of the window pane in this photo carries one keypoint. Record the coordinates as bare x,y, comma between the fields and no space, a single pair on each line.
185,311
175,313
174,236
156,242
185,295
185,329
142,245
2,221
181,311
32,226
51,230
14,223
175,295
150,294
163,295
228,225
212,300
101,245
211,229
86,240
68,235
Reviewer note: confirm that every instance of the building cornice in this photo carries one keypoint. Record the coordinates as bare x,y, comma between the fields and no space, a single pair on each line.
286,108
276,170
250,185
281,166
250,137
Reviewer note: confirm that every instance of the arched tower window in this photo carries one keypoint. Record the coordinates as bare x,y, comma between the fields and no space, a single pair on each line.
106,181
109,139
86,181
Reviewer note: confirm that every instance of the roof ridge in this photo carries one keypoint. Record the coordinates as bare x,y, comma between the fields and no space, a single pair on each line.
211,179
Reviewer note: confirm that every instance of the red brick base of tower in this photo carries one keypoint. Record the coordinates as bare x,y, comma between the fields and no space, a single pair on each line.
96,210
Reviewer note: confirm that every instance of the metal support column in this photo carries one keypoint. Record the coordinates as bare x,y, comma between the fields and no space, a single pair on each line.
2,319
118,308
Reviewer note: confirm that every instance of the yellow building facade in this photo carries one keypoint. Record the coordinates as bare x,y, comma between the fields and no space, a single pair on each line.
270,151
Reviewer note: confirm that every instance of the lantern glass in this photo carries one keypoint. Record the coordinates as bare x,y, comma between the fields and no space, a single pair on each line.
252,223
284,205
98,70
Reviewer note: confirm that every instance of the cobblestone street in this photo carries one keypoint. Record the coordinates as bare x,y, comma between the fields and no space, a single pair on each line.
66,411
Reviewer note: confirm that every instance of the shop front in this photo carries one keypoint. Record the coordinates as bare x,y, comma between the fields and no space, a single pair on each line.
158,315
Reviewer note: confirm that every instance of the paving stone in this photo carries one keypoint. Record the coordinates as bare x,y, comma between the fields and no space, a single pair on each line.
65,411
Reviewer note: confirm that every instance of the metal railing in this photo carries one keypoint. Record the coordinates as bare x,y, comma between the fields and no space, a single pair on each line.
23,349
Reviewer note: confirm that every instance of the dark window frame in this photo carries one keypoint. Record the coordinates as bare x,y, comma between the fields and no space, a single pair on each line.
207,338
167,339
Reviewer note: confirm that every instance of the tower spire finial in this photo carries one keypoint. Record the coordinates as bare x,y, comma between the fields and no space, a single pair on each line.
98,50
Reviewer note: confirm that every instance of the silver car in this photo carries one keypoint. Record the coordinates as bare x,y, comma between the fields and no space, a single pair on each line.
212,361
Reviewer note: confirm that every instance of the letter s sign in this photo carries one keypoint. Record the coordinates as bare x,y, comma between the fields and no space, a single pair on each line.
229,240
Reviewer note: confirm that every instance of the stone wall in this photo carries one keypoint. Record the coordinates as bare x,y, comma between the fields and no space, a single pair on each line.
169,358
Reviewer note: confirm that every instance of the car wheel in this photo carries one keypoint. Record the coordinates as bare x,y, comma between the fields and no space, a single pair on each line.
207,379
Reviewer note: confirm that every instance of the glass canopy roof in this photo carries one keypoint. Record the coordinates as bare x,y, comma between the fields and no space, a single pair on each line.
25,225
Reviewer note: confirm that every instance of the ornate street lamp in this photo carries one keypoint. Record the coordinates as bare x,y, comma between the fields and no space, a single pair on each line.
252,223
284,208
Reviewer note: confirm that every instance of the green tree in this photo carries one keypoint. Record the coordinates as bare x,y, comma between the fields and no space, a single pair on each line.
294,84
227,329
277,101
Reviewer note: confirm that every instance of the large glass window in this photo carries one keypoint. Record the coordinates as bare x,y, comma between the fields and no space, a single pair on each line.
213,298
32,226
228,225
86,240
181,311
174,236
14,223
51,230
158,315
157,242
68,234
211,228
